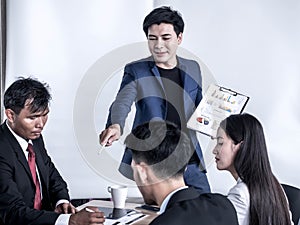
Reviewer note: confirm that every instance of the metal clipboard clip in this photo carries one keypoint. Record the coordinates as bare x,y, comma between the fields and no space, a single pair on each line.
228,91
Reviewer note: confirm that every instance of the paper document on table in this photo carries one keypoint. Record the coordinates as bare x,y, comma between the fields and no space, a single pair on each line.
217,104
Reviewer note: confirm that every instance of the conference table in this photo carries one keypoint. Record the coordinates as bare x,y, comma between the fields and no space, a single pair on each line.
143,217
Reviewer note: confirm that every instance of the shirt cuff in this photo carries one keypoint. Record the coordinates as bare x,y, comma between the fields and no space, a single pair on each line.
63,219
61,202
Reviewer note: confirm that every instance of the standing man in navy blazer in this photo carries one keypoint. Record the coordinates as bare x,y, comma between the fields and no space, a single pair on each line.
160,154
26,107
163,87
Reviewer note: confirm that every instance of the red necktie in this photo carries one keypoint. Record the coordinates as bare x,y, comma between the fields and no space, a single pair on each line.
31,162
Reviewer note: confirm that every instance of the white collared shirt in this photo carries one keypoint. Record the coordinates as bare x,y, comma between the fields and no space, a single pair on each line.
240,198
22,142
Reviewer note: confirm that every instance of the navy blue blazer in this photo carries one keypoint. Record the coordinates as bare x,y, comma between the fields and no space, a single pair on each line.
142,84
187,206
17,189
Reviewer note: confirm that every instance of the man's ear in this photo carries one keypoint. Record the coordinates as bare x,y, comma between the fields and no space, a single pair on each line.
10,114
143,172
179,38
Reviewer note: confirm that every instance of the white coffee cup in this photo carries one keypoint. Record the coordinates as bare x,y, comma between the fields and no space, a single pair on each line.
118,195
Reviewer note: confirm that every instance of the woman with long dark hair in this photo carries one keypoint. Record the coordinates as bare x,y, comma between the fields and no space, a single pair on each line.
241,149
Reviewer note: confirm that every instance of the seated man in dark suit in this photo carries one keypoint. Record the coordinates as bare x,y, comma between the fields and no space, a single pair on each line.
160,154
31,189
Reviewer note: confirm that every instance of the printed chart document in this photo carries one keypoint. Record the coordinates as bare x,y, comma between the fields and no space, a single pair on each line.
217,104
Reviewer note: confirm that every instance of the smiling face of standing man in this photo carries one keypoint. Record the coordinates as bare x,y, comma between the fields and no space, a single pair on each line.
163,43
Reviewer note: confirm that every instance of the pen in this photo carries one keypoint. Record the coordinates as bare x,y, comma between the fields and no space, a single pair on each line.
89,210
101,149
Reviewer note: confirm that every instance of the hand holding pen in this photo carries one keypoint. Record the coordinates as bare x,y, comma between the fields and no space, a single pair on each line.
91,215
110,134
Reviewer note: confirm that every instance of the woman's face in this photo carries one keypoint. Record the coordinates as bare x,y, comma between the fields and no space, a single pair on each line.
225,151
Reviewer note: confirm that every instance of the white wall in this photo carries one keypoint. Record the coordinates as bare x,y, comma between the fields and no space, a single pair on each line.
79,48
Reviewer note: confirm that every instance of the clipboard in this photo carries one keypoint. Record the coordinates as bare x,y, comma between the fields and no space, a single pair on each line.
216,105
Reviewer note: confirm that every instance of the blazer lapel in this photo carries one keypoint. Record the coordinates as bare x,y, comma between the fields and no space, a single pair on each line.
189,85
157,74
17,149
22,159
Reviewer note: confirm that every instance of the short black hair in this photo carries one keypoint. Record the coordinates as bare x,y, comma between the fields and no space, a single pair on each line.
164,14
24,89
161,145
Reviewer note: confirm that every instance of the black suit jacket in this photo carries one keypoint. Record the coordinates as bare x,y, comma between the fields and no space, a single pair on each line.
188,207
17,188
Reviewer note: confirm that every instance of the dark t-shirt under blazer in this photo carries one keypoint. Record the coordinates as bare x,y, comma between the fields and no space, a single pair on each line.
188,207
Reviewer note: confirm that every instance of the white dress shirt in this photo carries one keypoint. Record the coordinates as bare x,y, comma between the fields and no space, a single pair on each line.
240,198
